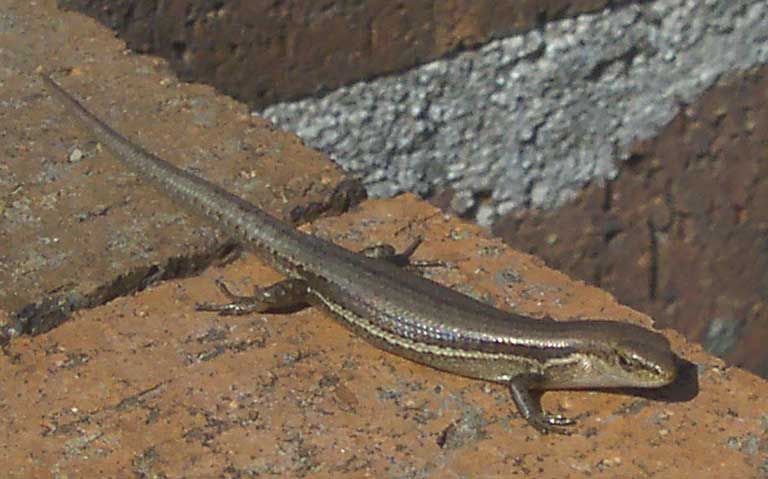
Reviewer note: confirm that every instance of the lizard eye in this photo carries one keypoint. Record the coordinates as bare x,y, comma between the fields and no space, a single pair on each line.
626,363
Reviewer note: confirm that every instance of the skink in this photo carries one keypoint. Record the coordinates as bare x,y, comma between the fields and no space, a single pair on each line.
402,312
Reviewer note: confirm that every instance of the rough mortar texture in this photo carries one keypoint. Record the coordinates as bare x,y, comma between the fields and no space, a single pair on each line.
528,120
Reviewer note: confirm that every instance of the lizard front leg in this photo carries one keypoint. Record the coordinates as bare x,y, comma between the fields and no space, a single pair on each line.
520,386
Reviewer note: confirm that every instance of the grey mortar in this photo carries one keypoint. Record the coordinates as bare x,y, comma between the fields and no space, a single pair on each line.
528,120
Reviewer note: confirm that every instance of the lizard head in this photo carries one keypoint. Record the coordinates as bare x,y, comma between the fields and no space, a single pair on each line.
613,354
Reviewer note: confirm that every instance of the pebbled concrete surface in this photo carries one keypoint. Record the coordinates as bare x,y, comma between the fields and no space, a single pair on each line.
529,120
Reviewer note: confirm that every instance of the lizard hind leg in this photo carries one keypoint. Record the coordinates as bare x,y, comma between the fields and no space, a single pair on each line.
286,295
345,196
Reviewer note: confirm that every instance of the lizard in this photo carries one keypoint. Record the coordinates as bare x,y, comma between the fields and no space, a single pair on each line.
401,311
